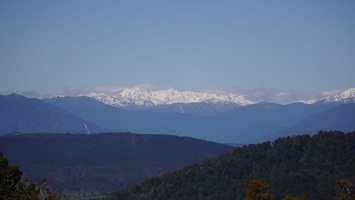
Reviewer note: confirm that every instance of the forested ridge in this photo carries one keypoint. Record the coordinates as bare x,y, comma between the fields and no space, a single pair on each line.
298,165
102,162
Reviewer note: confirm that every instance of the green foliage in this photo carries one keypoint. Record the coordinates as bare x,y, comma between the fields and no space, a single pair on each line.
12,186
292,165
258,190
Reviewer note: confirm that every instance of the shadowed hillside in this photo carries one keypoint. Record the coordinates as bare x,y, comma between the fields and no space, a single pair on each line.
102,162
293,165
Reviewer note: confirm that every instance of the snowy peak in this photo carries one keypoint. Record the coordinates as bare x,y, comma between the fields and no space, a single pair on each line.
348,96
142,97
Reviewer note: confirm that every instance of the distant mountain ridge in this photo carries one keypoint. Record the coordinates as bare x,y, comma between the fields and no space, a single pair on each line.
171,100
141,97
240,125
219,122
21,114
341,117
195,103
146,97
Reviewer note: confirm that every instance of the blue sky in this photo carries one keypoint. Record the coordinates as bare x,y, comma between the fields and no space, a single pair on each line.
303,46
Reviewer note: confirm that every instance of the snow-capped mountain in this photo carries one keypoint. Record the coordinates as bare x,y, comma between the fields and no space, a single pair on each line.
348,96
141,97
311,101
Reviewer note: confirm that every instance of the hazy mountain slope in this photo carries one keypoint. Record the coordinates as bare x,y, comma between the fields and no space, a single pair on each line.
114,118
102,161
18,113
339,118
108,117
288,113
198,109
293,165
240,125
260,119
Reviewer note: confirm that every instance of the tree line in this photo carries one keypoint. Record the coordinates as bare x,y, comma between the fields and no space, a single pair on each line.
292,166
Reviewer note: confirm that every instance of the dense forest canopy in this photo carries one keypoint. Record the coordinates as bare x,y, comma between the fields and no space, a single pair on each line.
298,165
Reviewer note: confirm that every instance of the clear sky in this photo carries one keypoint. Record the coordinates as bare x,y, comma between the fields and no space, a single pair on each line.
306,46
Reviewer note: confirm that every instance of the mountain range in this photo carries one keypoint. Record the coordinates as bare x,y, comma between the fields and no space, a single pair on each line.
189,102
241,124
171,100
237,126
137,96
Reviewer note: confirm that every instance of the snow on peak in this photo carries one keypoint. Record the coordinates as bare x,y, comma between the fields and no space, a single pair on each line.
311,101
346,96
145,97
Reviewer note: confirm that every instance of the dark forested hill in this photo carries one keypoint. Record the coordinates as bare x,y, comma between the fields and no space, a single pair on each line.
102,162
292,165
18,113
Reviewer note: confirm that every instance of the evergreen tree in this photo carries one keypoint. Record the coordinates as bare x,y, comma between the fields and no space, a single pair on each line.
12,185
